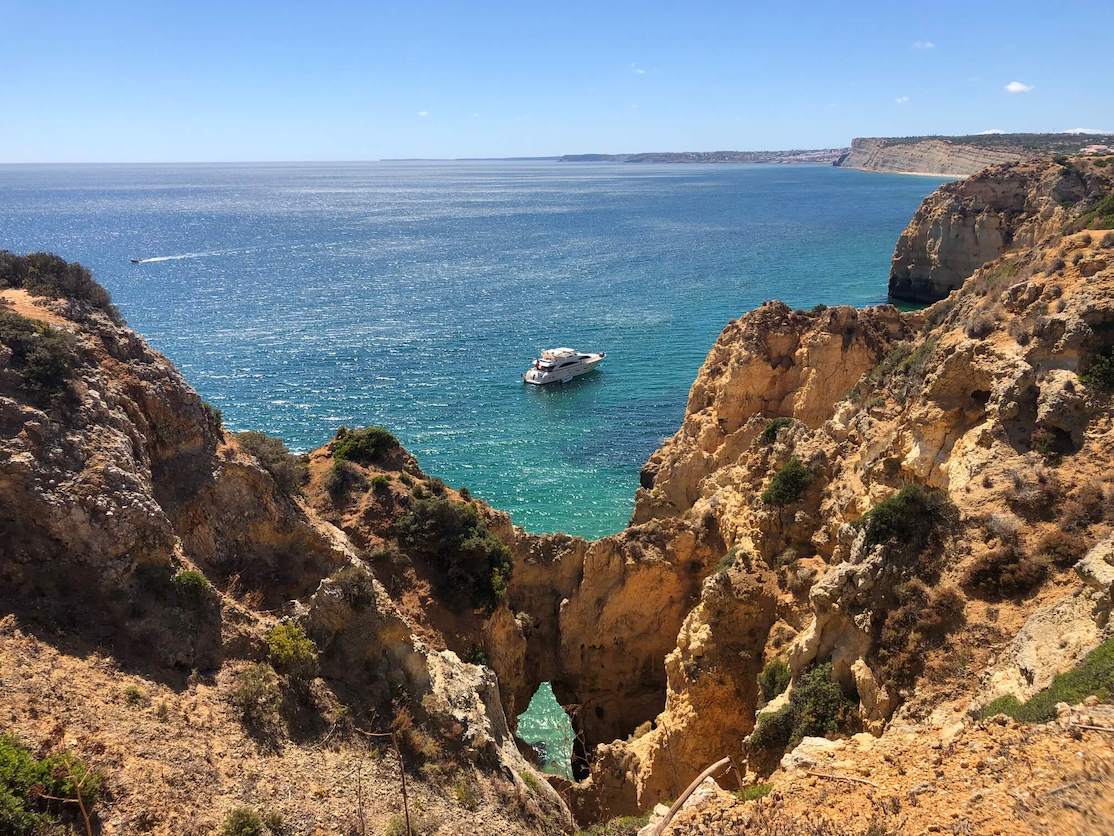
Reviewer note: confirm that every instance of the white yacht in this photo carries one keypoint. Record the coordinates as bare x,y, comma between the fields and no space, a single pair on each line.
560,365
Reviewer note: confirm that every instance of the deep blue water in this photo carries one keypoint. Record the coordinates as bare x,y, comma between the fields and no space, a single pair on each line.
299,297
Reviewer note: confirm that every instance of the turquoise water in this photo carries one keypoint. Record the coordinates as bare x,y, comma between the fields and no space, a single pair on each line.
300,297
546,726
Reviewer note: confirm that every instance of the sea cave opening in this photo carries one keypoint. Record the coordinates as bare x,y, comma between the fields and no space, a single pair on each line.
546,727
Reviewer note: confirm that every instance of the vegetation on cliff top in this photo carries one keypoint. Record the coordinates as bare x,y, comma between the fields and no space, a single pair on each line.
43,356
363,446
45,274
909,519
474,561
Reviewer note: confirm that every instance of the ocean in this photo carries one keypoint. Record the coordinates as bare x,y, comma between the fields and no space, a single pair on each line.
301,297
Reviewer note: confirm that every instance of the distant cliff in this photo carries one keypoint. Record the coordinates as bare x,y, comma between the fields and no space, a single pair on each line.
824,156
960,156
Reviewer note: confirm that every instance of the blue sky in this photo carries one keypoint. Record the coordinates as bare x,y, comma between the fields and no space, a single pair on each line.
175,81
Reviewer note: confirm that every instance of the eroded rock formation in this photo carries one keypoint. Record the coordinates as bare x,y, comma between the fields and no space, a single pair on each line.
962,226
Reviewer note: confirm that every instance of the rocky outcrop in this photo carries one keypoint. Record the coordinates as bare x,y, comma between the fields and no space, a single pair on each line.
710,698
774,362
133,528
965,225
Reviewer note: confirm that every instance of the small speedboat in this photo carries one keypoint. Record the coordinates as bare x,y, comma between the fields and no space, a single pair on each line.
560,365
135,260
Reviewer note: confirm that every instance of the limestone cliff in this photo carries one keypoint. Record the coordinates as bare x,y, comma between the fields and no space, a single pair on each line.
925,156
964,225
960,156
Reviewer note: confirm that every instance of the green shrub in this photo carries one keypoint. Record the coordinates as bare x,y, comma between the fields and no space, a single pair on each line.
1094,676
45,274
341,478
1005,572
255,692
773,731
1100,217
465,494
774,679
43,356
476,655
242,821
420,825
380,483
1100,371
475,563
769,435
24,779
274,822
363,446
215,416
620,826
192,586
288,470
754,792
466,793
817,707
788,484
134,696
910,518
356,585
291,651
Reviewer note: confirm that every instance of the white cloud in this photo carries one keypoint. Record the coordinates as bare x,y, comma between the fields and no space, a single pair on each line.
902,100
989,131
637,70
1086,131
923,45
1018,87
423,113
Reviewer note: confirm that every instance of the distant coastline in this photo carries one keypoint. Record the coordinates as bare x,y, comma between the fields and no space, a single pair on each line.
917,156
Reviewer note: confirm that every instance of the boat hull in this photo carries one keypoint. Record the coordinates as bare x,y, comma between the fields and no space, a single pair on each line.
536,377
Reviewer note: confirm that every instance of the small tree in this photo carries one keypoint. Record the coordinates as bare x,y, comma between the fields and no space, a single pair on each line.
291,650
242,821
788,484
363,446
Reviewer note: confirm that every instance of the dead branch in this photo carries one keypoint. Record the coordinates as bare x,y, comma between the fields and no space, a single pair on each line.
401,771
1093,728
683,797
831,777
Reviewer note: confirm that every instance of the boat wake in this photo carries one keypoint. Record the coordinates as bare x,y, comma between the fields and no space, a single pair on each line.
180,257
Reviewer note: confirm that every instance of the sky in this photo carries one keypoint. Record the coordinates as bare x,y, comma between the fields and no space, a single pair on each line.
235,81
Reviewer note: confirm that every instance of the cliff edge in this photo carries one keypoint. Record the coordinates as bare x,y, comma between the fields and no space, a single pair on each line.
964,225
